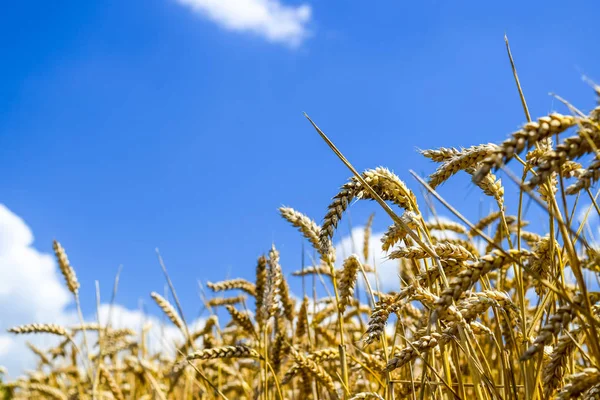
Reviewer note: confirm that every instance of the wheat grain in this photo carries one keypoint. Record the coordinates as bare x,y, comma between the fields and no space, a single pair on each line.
65,268
38,352
467,158
560,319
382,181
223,301
592,393
277,351
442,154
443,250
286,299
169,310
420,346
318,356
446,226
466,278
312,368
367,237
579,383
260,288
272,296
586,178
396,232
241,319
555,369
302,319
309,229
572,148
233,284
39,328
314,270
347,280
484,222
224,352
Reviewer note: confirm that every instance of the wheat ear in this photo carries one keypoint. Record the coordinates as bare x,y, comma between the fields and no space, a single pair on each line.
169,310
239,351
233,284
112,383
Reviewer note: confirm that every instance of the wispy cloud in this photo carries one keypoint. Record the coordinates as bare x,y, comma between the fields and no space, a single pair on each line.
270,19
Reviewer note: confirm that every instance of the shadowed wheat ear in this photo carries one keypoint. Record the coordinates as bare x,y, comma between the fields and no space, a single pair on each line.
169,311
542,260
318,356
557,321
381,312
586,178
302,320
555,369
261,287
579,383
286,299
572,148
347,281
466,278
592,393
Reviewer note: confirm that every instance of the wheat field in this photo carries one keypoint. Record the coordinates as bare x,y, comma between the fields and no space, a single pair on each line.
487,309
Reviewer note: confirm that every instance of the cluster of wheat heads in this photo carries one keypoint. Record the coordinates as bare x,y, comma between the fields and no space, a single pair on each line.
483,310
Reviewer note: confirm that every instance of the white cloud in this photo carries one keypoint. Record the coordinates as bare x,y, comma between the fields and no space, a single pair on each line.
269,19
32,291
30,288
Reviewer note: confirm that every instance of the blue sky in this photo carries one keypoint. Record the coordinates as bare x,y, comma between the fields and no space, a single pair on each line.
126,126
